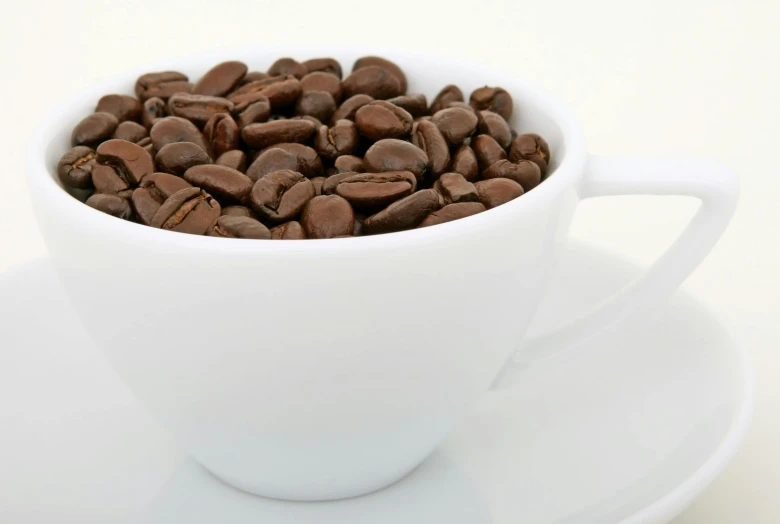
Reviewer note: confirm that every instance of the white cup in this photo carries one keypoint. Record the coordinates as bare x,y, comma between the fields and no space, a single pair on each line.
322,369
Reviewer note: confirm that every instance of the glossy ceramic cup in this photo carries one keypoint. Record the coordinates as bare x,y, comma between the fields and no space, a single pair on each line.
323,369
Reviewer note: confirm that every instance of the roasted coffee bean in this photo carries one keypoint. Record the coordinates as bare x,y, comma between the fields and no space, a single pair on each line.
349,163
280,196
320,81
324,65
238,227
267,134
452,212
123,107
406,213
374,81
273,159
153,110
531,146
111,204
227,185
318,104
462,105
256,86
220,79
368,61
94,129
255,113
494,99
317,183
190,210
415,105
107,181
174,129
487,151
178,157
493,124
288,66
253,76
130,160
235,159
237,211
496,191
455,124
450,93
288,231
130,131
373,191
309,162
244,100
198,108
328,216
350,106
524,172
391,154
221,133
161,85
316,121
75,167
381,119
341,139
464,161
426,136
154,189
454,188
283,94
332,182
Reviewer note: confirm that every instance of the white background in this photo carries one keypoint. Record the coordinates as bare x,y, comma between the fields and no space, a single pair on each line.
670,77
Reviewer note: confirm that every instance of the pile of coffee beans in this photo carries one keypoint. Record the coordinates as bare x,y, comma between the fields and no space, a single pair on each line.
298,152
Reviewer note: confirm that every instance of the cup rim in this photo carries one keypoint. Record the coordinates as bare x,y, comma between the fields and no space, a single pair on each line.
44,186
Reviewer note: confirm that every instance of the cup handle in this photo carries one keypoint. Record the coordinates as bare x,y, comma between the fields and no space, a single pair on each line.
712,183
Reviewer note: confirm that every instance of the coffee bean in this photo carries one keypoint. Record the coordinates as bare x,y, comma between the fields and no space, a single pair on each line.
309,162
221,133
341,139
391,154
493,124
452,212
415,105
244,100
455,124
153,191
189,210
130,131
328,216
267,134
198,108
381,119
450,93
487,151
235,159
368,61
273,159
238,227
153,110
123,107
227,185
531,146
455,188
406,213
220,79
494,99
75,167
462,105
496,191
320,81
464,161
161,85
255,86
178,157
317,183
281,195
94,129
255,113
374,81
373,191
350,106
107,181
111,204
288,231
524,172
426,136
324,65
346,163
237,211
253,76
283,94
129,160
174,129
318,104
288,66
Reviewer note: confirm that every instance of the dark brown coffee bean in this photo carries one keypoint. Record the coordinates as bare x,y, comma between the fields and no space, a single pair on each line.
450,93
220,79
221,133
496,191
107,181
227,185
328,216
320,81
316,121
377,61
235,159
178,157
309,162
123,107
111,204
493,124
198,108
190,210
255,86
406,213
349,163
288,231
324,65
273,159
283,94
487,151
494,99
280,196
454,188
317,183
255,113
341,139
464,161
154,189
373,191
391,154
161,85
288,66
318,104
381,119
350,106
455,124
259,136
531,146
524,172
374,81
174,129
238,227
253,76
153,110
75,167
244,100
426,136
415,105
462,105
237,211
130,160
130,131
94,129
452,212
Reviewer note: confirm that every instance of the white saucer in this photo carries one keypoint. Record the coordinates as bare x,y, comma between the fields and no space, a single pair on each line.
630,428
